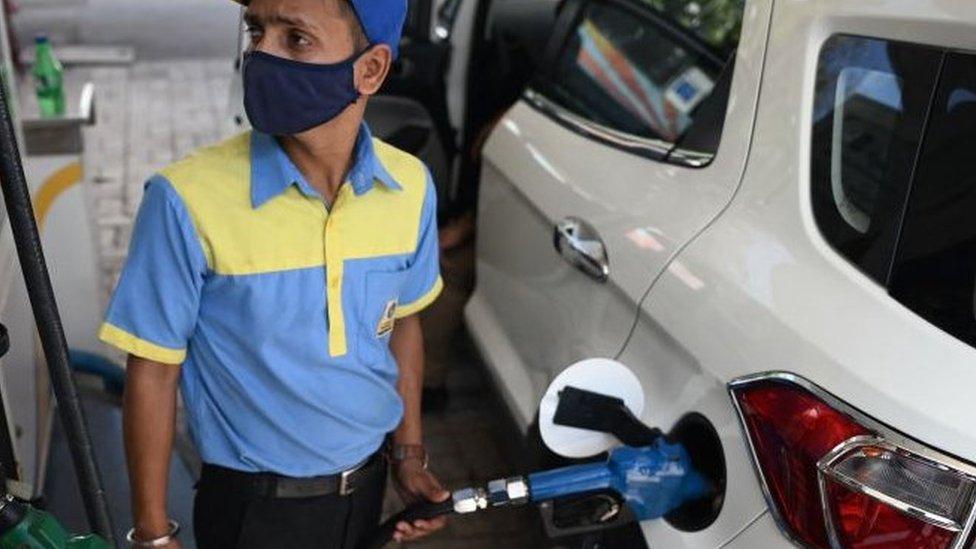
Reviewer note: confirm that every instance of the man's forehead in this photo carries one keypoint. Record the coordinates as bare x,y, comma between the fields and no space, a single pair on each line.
292,11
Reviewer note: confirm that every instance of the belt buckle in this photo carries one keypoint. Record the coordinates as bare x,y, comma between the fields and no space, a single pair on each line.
344,488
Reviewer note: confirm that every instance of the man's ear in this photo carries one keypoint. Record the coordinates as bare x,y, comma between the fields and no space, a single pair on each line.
372,68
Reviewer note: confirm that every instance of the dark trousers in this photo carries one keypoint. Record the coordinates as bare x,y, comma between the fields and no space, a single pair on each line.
227,517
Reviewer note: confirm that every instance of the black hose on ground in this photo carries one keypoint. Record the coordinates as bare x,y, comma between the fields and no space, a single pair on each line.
422,511
17,198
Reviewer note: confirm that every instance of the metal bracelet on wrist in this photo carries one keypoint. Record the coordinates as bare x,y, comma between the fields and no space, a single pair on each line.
402,452
162,541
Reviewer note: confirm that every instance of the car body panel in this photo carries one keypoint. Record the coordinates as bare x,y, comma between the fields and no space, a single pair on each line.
674,384
761,290
763,533
536,173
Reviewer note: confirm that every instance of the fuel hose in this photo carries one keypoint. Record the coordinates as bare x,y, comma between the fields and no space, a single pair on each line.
501,492
421,511
23,225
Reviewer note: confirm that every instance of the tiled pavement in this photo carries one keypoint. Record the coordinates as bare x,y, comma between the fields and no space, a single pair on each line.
153,113
148,115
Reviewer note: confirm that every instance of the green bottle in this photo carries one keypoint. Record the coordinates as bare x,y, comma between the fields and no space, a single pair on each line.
25,527
48,79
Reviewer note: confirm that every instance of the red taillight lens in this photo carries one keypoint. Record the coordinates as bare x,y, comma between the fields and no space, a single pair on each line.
791,430
832,481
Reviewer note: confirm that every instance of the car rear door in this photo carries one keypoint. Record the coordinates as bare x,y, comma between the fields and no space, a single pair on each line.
618,155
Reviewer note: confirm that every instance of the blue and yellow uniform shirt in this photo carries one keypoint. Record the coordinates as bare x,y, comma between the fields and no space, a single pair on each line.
279,308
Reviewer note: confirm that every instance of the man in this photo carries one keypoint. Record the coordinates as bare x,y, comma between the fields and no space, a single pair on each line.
276,278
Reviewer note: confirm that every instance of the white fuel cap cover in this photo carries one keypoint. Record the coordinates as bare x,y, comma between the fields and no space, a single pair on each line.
599,375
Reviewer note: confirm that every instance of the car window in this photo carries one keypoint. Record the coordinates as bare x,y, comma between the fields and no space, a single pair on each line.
935,271
646,68
870,105
718,23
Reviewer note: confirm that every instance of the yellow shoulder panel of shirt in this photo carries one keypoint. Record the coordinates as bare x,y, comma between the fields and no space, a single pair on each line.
383,221
215,185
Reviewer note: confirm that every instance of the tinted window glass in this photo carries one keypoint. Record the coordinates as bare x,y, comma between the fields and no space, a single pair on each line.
718,23
869,111
630,69
935,271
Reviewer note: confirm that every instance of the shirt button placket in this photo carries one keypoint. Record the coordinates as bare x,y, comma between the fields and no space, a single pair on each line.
325,254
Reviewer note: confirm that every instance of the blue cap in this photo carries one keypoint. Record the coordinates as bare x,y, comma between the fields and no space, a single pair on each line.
40,39
382,20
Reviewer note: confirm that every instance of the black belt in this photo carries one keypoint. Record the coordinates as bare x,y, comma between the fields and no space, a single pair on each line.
270,485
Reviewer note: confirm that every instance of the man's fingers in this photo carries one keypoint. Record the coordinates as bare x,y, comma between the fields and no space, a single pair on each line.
432,490
418,529
426,527
405,530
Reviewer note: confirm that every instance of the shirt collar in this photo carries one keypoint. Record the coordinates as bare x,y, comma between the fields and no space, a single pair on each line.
272,172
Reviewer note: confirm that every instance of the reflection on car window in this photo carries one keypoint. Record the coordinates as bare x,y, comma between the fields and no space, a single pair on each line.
641,73
935,270
867,106
718,23
869,111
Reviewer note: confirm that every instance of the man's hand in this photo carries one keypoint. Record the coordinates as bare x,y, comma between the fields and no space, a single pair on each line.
414,483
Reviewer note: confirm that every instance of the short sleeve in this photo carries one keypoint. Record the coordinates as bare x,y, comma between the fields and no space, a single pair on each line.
423,282
153,312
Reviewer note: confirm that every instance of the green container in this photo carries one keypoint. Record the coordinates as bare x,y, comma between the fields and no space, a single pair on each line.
35,529
48,79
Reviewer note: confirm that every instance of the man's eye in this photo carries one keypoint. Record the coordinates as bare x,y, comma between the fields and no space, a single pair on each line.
297,40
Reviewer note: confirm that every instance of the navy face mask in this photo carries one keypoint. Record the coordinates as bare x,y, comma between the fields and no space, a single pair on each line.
285,97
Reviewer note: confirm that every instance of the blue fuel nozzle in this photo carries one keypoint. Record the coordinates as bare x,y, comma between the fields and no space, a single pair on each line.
654,480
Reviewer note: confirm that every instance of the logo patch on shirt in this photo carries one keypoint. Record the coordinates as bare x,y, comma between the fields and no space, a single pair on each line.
387,320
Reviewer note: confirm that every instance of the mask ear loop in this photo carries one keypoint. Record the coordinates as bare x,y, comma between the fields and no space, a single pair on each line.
356,57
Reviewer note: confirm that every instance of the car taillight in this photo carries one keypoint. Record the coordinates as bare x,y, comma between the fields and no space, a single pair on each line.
833,480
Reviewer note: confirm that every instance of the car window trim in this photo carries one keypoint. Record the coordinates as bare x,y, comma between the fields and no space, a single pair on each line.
654,149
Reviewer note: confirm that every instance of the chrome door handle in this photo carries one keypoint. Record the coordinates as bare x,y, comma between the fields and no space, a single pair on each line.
579,245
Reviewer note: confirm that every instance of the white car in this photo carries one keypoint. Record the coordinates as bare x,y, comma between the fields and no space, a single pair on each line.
776,231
